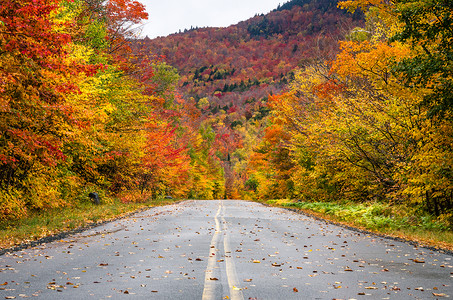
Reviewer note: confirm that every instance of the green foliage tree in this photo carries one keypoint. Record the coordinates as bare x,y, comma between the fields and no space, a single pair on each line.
427,28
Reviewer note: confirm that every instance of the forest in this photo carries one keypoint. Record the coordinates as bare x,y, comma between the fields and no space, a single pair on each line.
81,113
317,101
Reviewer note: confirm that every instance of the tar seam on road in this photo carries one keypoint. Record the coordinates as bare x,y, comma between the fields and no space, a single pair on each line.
210,284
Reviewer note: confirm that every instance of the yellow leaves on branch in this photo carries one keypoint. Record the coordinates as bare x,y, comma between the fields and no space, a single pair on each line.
371,60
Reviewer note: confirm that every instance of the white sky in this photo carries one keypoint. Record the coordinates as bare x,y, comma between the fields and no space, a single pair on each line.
169,16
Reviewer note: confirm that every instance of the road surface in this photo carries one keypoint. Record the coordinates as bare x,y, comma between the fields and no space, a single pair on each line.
224,250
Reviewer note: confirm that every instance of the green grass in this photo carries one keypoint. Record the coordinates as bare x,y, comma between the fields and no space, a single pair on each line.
393,220
43,223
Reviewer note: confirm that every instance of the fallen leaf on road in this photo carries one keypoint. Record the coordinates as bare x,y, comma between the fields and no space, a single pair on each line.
256,262
213,278
440,295
248,280
295,290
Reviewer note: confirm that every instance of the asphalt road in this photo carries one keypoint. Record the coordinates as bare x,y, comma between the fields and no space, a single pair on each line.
224,250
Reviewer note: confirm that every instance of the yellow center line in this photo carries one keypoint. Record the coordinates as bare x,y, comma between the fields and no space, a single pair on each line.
209,285
233,282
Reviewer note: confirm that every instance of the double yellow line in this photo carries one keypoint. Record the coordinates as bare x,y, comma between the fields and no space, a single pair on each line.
233,283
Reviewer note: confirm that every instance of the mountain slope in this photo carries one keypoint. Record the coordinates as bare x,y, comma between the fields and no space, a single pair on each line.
230,72
253,53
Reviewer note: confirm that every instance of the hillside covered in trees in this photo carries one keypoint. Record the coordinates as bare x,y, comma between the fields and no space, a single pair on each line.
229,73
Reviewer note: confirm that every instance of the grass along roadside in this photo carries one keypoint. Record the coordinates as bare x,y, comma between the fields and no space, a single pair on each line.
395,221
53,221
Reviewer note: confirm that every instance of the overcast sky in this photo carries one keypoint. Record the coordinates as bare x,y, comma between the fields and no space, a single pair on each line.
170,16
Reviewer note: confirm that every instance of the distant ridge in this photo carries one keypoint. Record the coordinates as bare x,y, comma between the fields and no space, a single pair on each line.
236,68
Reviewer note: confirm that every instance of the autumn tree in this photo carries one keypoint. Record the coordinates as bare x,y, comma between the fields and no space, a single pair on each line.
63,128
33,79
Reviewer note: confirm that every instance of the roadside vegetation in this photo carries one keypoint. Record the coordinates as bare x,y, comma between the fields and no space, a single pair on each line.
399,221
40,224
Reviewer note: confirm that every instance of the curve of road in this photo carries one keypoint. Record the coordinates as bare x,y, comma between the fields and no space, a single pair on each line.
225,249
